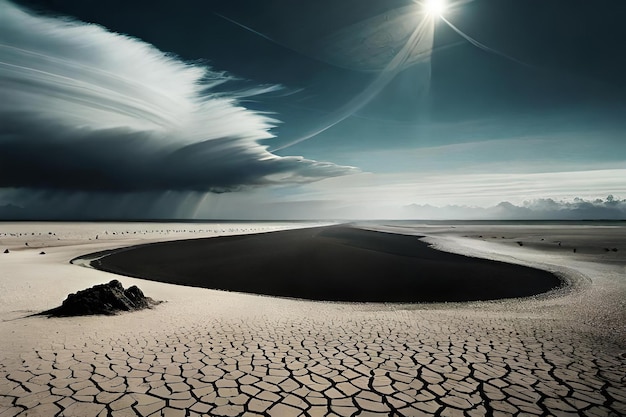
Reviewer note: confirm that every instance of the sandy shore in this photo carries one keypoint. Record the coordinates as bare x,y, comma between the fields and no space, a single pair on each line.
207,352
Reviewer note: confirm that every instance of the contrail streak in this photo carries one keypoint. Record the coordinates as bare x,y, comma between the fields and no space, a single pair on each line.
413,47
256,32
363,98
483,46
248,28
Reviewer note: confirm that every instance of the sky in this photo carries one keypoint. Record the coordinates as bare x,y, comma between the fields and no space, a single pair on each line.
332,109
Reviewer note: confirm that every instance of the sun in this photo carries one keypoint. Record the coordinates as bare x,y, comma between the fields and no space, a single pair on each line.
435,7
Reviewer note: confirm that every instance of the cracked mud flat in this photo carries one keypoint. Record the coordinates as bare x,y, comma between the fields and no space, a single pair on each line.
208,352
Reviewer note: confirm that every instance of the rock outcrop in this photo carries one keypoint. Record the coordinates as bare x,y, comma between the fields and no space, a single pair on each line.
105,299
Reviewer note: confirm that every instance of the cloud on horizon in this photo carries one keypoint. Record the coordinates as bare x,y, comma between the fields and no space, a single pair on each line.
87,110
610,208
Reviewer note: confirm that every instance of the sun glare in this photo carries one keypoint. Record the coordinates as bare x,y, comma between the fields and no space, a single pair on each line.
435,7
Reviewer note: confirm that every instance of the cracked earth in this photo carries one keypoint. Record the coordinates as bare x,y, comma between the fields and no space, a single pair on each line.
227,354
371,366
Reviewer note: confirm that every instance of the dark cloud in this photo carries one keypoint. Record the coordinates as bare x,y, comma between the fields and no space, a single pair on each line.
84,110
58,158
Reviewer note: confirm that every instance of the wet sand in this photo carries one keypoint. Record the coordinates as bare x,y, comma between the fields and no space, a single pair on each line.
219,353
335,263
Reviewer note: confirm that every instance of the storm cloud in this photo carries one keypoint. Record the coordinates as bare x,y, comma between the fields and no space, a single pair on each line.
87,110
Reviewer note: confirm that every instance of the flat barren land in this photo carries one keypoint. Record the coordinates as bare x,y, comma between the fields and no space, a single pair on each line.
509,320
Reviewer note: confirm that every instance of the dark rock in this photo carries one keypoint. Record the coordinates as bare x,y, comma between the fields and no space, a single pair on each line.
6,251
103,299
42,253
136,297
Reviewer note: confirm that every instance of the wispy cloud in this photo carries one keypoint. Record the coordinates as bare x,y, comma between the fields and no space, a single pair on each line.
466,188
84,109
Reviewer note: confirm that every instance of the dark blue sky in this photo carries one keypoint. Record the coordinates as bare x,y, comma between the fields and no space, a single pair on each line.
572,48
549,97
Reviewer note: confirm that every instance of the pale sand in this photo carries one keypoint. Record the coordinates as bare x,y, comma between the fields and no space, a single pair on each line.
208,352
